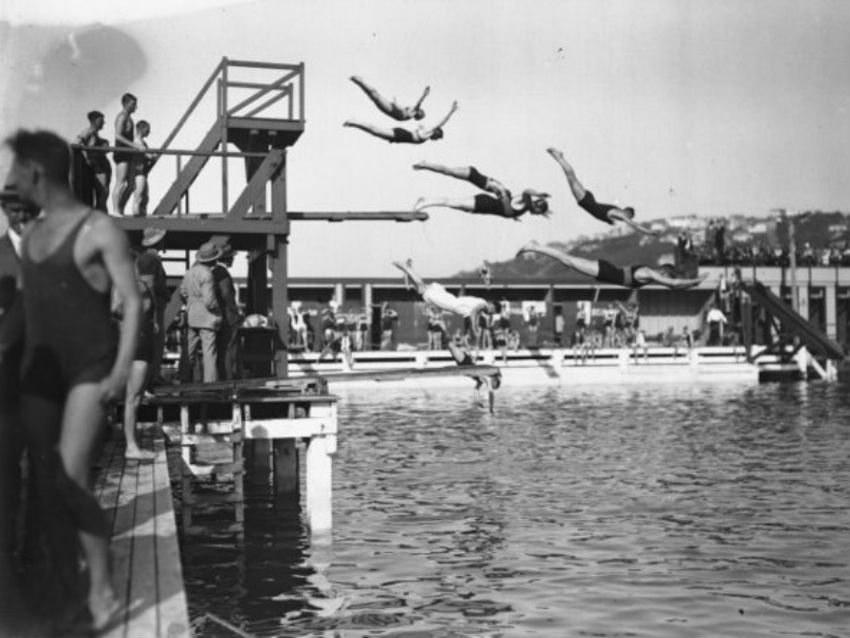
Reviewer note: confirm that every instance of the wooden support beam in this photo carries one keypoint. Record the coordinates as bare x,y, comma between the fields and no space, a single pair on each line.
190,172
319,484
256,188
285,466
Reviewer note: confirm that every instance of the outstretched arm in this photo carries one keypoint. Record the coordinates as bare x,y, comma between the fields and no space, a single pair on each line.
618,215
425,93
446,119
575,186
650,274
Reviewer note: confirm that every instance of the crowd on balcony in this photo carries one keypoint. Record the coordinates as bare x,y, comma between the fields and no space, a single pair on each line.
716,250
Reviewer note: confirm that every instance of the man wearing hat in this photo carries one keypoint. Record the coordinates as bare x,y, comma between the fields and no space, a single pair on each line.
203,312
151,271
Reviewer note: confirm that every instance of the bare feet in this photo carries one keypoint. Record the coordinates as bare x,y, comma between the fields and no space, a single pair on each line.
104,610
420,166
554,152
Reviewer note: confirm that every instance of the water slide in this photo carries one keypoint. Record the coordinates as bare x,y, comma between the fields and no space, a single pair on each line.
816,341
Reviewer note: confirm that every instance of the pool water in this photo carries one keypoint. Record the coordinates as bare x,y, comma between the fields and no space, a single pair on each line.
662,511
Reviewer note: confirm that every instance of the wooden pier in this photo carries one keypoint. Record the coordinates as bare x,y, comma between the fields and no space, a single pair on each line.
275,413
147,573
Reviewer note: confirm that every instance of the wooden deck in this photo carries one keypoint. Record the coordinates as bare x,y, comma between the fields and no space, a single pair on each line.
146,555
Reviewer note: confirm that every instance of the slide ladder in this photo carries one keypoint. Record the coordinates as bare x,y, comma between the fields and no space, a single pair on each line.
812,338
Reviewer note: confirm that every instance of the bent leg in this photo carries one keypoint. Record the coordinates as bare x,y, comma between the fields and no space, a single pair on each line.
82,423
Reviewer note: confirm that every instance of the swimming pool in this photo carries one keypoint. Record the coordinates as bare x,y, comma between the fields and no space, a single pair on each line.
660,510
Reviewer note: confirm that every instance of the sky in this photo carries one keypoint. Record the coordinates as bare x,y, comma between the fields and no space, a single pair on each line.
709,107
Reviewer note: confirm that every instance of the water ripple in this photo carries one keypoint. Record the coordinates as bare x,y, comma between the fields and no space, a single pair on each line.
657,511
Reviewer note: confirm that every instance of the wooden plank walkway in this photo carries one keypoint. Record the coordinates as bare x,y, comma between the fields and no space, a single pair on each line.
147,574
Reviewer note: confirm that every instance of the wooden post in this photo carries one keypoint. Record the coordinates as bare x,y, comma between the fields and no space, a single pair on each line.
285,466
286,461
831,311
238,477
319,483
258,454
280,272
186,469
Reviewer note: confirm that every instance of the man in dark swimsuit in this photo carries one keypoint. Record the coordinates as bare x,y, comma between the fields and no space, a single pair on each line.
125,132
14,616
74,365
634,276
606,213
97,162
498,200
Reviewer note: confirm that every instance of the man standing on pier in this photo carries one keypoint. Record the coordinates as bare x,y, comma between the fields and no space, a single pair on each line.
152,272
74,365
203,311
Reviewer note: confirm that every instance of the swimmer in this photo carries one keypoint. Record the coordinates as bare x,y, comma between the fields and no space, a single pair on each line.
435,294
603,271
391,107
463,357
97,160
141,166
498,200
398,135
607,213
124,138
74,363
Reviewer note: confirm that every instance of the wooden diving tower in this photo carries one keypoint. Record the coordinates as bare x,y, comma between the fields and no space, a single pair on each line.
259,110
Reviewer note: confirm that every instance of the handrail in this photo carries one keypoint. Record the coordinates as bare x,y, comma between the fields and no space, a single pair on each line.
194,104
284,92
277,84
263,65
165,151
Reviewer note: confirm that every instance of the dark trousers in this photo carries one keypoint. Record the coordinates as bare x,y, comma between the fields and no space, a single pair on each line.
227,341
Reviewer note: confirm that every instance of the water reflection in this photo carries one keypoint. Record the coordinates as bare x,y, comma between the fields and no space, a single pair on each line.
661,511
